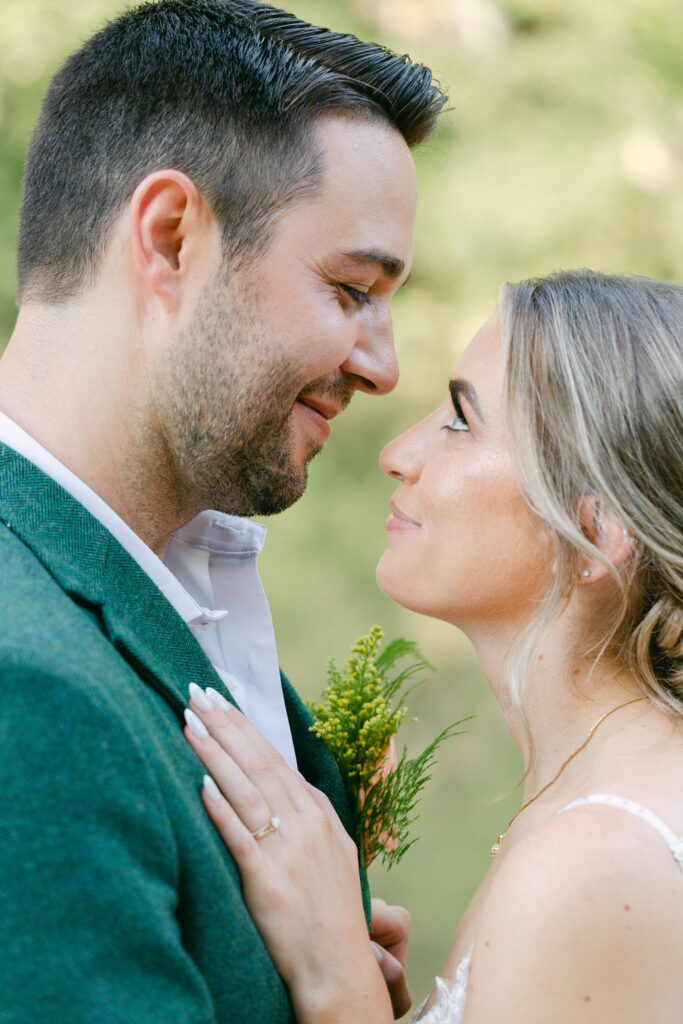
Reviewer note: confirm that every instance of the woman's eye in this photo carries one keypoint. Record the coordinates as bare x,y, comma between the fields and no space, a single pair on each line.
359,297
459,422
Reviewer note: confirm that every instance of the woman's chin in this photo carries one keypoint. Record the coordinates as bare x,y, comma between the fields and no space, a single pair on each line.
402,586
399,586
390,582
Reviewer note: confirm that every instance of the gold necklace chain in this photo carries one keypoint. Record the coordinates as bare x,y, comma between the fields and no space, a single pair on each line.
496,846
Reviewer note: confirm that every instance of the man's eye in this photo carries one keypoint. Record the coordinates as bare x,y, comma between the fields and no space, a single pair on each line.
359,297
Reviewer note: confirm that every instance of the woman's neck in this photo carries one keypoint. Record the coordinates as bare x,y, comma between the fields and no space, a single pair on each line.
564,696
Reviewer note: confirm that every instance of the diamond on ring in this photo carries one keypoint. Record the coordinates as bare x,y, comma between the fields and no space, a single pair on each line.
272,826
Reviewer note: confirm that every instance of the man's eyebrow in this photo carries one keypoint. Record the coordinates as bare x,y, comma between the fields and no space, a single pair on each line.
391,266
458,386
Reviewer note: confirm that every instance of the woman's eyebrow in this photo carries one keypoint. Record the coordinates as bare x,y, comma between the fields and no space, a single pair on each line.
458,386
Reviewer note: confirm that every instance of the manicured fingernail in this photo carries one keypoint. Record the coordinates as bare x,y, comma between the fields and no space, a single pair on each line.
377,950
199,697
211,789
218,700
196,725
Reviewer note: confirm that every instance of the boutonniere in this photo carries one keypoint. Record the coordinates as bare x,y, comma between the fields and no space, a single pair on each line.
360,713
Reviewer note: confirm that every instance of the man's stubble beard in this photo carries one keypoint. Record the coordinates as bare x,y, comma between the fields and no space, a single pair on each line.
224,432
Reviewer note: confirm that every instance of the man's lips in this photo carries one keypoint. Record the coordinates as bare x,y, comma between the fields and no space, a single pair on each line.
318,411
327,408
398,521
316,416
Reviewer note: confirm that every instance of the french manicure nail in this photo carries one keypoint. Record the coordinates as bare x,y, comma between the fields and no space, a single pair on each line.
196,725
218,700
211,789
377,950
199,697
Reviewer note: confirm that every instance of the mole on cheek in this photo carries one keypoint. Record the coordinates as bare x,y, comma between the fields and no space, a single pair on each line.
586,999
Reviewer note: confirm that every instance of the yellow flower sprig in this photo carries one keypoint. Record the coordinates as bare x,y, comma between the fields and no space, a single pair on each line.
361,711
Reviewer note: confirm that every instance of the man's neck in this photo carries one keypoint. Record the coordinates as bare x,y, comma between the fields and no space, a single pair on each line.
68,380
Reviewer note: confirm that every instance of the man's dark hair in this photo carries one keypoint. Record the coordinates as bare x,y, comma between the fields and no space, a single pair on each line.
226,91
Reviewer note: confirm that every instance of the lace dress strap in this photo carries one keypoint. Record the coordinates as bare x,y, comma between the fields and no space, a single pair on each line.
450,998
674,842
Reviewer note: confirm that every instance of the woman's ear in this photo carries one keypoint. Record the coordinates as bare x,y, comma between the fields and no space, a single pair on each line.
608,534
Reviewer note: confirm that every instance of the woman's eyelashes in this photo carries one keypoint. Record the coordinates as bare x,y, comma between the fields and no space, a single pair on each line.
459,422
360,298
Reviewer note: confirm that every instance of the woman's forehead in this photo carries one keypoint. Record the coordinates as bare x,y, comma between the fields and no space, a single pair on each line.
485,350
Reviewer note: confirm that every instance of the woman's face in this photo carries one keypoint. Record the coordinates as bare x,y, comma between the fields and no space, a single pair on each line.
462,543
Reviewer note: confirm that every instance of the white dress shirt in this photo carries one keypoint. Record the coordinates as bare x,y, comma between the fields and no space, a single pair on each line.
209,575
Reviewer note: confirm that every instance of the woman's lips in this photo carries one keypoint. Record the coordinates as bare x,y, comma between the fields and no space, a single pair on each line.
399,522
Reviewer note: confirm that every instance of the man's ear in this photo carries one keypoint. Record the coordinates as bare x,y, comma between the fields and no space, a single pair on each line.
607,533
167,221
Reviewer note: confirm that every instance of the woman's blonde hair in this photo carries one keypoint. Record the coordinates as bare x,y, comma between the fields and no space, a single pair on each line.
594,408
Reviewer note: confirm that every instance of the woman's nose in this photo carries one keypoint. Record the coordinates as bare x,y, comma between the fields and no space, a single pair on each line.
402,459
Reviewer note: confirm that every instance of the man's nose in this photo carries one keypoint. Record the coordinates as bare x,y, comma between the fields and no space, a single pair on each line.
372,363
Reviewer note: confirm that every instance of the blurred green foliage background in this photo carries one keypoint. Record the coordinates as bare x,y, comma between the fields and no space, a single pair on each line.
563,147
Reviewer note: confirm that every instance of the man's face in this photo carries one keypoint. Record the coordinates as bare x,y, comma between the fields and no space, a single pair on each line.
276,350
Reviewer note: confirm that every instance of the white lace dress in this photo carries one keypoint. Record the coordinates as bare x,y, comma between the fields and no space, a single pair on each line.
451,996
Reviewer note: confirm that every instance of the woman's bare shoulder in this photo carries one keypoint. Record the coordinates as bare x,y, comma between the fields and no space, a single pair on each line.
583,915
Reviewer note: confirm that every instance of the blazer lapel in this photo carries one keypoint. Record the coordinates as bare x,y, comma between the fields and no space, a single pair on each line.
319,767
313,755
150,634
92,567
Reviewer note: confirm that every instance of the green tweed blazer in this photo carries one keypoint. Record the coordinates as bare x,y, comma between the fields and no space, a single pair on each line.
119,900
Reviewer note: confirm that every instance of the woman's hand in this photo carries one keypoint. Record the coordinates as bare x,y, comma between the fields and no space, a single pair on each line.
390,934
299,868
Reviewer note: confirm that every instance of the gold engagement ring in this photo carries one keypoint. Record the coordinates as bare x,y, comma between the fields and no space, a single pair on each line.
272,826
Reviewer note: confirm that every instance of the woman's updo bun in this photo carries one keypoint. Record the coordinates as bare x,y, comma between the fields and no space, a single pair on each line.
655,646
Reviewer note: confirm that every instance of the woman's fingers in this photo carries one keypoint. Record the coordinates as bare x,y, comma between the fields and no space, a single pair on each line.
391,927
248,748
394,976
256,781
324,802
235,834
246,799
390,934
213,737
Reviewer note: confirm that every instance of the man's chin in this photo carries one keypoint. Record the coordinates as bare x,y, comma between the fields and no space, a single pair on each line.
281,491
291,489
280,500
274,487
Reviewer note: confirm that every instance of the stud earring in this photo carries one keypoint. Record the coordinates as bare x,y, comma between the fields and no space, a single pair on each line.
585,573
